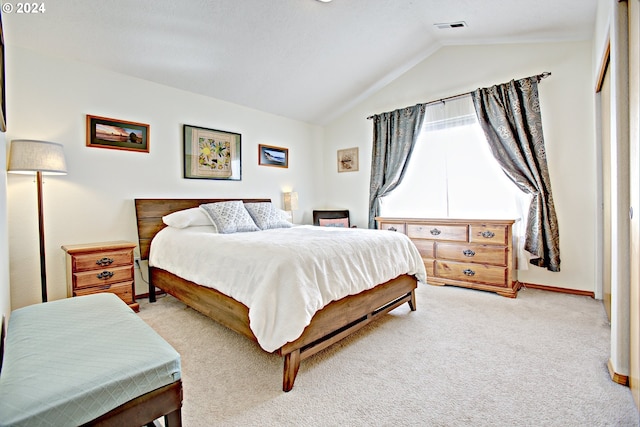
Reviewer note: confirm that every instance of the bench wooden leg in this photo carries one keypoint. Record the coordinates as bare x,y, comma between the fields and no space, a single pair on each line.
291,366
173,419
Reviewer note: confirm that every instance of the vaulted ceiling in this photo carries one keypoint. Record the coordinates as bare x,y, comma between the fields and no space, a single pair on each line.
302,59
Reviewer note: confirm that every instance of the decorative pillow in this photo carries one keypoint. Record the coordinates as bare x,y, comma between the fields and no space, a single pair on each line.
229,217
192,217
267,216
337,222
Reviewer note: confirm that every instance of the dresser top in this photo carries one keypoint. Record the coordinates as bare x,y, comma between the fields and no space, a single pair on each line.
444,220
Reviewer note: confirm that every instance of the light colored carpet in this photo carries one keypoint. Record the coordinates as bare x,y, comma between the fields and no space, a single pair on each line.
464,358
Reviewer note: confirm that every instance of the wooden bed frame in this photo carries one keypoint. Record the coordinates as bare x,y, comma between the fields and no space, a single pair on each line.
335,321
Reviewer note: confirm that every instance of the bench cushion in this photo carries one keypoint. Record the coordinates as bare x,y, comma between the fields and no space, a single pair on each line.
69,361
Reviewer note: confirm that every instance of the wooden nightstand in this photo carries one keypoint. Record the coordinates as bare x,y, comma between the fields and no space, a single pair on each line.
101,267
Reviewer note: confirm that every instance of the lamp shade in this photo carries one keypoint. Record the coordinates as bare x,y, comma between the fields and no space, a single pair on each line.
28,156
291,201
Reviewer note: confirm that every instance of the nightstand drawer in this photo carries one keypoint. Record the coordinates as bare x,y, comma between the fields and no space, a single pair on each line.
483,254
478,273
104,259
437,231
123,290
102,277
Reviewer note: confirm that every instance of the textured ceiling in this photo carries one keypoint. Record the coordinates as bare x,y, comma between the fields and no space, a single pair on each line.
301,59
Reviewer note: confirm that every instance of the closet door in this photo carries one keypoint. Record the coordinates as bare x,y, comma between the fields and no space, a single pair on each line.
605,117
634,151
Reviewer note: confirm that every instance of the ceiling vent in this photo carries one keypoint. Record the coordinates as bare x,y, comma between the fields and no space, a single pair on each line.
447,25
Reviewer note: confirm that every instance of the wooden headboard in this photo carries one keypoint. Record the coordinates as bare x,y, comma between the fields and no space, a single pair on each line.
149,213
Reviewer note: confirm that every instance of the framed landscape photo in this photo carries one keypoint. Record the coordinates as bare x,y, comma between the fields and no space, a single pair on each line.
348,160
269,155
212,154
3,104
103,132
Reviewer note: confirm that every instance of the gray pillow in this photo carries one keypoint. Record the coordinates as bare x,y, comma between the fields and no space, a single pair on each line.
266,216
229,217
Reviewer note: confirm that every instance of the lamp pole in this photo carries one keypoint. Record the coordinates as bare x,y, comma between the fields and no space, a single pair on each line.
43,264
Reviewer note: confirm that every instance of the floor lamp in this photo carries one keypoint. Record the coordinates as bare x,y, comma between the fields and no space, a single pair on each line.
39,157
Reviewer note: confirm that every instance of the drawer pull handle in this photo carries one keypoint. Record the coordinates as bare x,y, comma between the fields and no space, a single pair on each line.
105,275
488,234
468,252
469,272
434,232
392,229
104,261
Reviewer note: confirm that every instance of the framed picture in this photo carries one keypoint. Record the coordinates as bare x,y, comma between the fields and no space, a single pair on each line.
212,154
3,104
273,156
348,160
103,132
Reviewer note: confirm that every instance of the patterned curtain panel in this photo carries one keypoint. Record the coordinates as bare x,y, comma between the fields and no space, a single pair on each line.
510,117
394,135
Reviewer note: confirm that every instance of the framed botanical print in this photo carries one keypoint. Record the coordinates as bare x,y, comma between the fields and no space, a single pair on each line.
212,154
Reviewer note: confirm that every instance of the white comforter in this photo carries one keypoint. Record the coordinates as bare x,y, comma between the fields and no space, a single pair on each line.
286,275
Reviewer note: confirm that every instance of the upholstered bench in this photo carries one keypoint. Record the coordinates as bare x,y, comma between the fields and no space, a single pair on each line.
87,360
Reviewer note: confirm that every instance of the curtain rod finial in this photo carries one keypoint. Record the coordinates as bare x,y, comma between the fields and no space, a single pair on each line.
544,75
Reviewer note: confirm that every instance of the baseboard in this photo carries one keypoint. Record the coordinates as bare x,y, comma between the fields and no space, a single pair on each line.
615,377
524,285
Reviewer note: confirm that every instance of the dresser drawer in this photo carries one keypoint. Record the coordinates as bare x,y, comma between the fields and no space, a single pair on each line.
465,252
437,231
488,234
123,290
425,247
429,266
104,259
478,273
101,277
393,226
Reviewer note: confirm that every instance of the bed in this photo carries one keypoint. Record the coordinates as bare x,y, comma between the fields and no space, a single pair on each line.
332,322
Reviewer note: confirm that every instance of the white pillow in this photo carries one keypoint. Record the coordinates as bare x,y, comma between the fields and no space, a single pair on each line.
266,216
193,217
230,217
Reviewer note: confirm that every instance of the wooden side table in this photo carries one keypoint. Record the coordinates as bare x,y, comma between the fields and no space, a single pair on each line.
101,267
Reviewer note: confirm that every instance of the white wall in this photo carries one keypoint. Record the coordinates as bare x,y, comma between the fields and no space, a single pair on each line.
568,120
49,98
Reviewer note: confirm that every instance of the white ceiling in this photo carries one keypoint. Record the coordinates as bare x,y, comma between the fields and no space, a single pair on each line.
301,59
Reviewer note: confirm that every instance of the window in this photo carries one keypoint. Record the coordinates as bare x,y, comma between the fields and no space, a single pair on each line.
453,174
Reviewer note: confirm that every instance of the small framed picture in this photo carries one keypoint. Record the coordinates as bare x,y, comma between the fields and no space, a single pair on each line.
212,154
269,155
348,160
103,132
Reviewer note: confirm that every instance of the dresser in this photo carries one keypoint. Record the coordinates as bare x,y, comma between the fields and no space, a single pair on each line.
474,254
101,267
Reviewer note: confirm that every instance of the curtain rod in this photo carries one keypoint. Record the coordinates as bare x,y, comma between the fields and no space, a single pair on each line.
538,77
